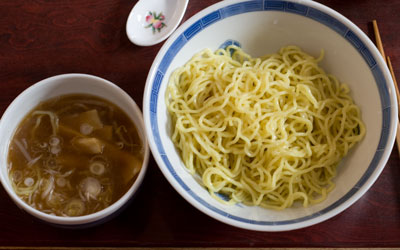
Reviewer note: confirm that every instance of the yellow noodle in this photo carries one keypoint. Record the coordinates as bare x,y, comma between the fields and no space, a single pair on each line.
264,131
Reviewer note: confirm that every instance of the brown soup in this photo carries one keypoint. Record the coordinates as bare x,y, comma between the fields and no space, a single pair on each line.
74,155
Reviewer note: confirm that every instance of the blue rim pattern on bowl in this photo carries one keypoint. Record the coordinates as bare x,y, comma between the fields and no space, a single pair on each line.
284,6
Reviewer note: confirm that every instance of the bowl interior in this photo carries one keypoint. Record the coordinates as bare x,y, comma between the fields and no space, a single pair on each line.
61,85
263,27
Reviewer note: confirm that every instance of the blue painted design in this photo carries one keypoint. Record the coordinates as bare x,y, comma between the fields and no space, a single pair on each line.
154,91
173,173
223,197
367,56
236,43
274,5
385,128
170,54
358,44
154,128
228,43
232,10
193,30
252,6
300,9
327,20
353,39
211,18
297,8
386,115
241,8
157,82
384,137
383,90
153,101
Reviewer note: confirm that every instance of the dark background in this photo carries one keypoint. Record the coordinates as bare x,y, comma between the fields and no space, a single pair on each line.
43,38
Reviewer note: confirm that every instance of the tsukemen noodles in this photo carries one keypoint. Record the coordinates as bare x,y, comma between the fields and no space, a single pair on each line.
266,131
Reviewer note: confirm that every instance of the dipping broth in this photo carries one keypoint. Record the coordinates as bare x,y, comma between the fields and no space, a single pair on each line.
74,155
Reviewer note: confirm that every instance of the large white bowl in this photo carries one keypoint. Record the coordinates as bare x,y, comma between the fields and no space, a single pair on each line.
61,85
262,27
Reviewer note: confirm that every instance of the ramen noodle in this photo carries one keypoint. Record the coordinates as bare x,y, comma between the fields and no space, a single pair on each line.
266,131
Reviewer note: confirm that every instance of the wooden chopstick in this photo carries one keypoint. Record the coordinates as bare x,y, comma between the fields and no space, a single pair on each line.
389,64
378,39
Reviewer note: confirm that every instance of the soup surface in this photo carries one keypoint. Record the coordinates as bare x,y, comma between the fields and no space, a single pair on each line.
74,155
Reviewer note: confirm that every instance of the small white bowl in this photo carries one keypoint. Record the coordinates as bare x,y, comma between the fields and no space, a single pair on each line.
61,85
262,27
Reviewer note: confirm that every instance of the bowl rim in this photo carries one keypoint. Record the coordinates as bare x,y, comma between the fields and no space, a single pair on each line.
102,215
318,12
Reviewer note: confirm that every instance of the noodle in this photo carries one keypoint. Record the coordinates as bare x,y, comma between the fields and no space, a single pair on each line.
264,131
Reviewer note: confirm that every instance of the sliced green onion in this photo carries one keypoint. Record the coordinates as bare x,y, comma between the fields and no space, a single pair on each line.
29,182
97,168
75,208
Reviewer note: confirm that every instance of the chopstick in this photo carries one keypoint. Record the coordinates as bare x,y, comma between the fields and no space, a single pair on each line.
389,64
378,39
